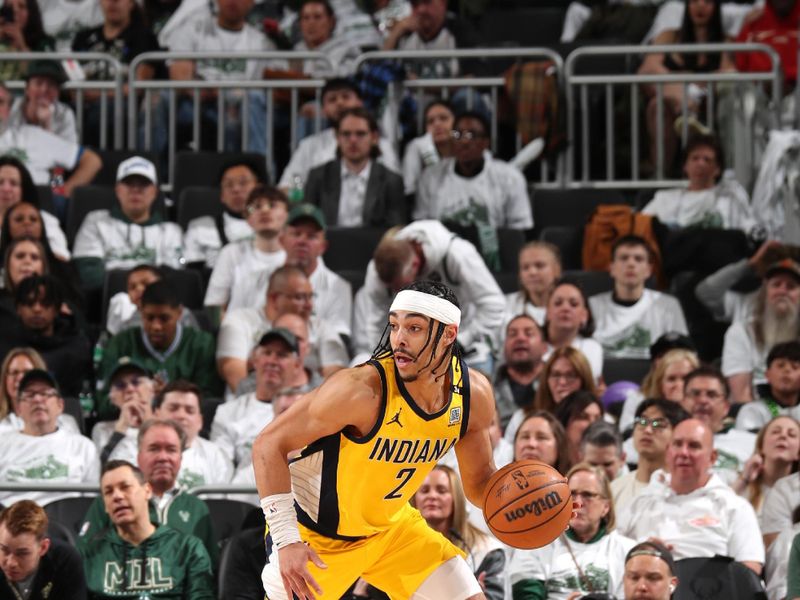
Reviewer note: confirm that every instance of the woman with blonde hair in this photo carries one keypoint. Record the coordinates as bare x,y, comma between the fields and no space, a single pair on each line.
541,437
442,503
776,455
664,380
589,557
17,362
566,371
539,269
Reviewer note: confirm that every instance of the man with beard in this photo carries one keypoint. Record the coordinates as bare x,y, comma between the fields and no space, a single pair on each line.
516,380
776,319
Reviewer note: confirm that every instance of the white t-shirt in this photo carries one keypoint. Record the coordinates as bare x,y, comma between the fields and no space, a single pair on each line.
602,563
202,241
708,521
434,68
204,463
340,51
725,206
126,449
40,150
777,567
317,149
123,245
242,328
241,275
754,415
629,331
55,235
333,298
62,121
237,423
420,154
516,305
202,33
624,489
779,503
13,422
62,19
591,349
58,457
497,196
740,354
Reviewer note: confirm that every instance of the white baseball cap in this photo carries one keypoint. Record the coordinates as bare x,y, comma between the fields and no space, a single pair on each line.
136,165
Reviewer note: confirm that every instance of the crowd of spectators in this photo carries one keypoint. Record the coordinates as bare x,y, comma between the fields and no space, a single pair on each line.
145,397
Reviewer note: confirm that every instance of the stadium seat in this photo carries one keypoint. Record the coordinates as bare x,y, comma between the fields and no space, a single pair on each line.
111,159
508,281
517,26
69,512
72,406
568,207
202,168
228,517
569,241
60,532
240,576
197,201
592,282
624,369
511,240
187,283
87,198
351,248
355,277
45,193
716,578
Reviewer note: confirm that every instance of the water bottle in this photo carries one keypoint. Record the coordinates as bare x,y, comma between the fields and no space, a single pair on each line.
296,189
86,399
57,181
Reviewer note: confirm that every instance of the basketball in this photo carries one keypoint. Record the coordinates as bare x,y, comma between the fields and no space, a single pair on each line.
527,504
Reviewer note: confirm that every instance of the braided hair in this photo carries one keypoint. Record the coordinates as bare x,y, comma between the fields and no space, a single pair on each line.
439,290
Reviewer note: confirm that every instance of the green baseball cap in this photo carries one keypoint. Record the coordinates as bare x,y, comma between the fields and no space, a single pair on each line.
306,211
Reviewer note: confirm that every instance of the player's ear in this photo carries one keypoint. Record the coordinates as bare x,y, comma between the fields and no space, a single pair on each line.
450,333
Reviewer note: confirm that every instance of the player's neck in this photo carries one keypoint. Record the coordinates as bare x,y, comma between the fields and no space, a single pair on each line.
430,393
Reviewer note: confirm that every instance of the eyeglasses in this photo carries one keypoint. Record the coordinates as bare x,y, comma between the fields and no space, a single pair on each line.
229,184
711,394
588,496
568,377
43,394
257,206
656,424
466,135
121,384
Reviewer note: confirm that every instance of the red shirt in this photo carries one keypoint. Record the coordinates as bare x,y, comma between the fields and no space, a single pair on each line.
781,34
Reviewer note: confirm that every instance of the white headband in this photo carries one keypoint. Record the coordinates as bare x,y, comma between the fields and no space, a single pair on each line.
436,308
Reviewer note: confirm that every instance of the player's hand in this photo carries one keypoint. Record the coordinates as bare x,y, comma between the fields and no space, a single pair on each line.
293,560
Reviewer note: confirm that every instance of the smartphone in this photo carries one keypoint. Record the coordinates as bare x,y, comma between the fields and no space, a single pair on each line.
7,13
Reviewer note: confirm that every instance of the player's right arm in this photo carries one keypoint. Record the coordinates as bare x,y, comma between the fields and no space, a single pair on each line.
349,398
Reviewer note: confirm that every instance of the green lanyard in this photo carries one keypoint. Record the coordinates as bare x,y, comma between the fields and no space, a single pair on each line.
773,407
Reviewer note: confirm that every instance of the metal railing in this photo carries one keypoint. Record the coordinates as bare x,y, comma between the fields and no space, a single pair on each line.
195,86
491,85
573,81
113,88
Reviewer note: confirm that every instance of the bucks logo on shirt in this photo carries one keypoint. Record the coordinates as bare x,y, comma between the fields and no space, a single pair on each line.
49,468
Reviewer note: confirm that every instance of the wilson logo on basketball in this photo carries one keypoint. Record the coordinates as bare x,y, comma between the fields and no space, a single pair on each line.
537,507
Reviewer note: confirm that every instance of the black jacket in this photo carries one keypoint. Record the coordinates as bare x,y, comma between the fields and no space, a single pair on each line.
59,577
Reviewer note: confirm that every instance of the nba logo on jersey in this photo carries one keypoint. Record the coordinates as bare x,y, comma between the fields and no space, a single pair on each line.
455,416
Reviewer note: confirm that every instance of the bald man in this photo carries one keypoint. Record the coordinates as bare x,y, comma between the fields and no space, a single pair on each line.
690,509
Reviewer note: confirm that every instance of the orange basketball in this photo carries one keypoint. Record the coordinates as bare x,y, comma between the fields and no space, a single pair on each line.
527,504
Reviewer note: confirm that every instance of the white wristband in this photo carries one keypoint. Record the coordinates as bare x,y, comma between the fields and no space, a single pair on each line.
281,519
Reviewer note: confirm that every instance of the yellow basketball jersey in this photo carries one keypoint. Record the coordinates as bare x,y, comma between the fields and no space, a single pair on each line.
348,487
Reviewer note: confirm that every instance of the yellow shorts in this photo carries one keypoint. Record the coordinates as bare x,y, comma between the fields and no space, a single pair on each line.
396,561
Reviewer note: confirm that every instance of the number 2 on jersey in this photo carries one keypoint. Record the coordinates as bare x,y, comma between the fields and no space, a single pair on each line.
405,476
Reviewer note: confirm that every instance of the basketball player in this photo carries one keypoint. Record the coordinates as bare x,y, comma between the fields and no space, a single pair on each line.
371,435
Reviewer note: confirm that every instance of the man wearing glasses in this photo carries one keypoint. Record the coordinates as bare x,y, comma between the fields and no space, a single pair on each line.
652,432
705,398
41,452
472,188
